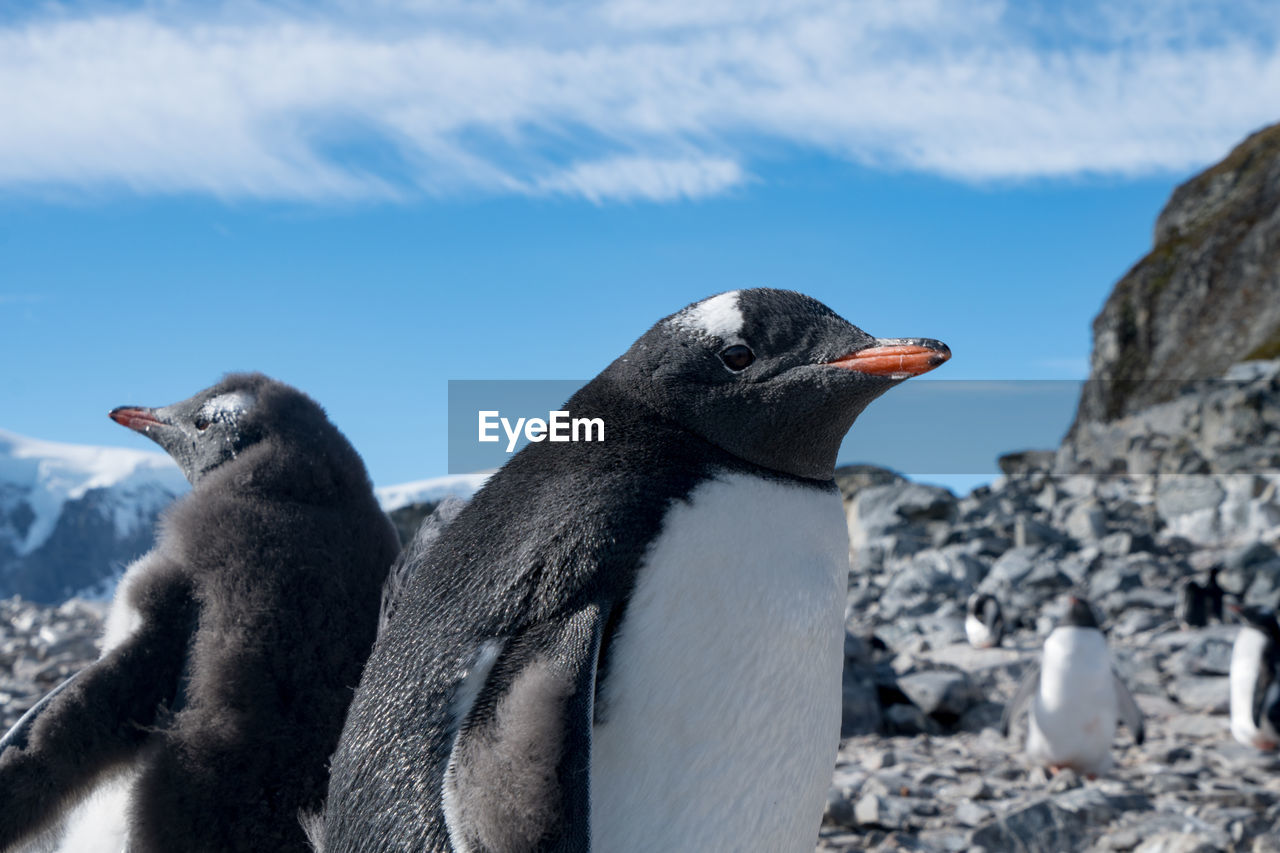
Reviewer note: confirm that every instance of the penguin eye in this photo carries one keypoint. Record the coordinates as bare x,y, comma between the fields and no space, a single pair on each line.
202,422
737,357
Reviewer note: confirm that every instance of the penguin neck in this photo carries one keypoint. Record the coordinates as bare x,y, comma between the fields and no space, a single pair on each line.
275,470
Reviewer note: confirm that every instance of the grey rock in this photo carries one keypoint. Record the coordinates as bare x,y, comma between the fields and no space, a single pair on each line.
851,479
1177,842
879,510
903,719
1087,521
1011,569
1039,828
1182,495
973,815
942,694
1028,531
1025,462
860,711
1208,653
1113,576
838,810
872,810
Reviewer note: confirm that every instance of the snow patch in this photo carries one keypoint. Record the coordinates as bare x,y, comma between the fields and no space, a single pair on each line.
435,489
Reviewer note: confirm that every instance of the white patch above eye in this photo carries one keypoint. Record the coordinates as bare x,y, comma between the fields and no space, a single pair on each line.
718,316
228,407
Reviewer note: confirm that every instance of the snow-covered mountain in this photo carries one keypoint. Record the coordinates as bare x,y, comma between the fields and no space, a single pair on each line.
72,517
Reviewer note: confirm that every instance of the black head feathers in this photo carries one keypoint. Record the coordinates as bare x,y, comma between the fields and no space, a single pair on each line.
280,437
772,376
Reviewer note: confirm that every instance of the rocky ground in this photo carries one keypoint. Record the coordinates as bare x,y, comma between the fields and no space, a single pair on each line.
1187,485
40,647
948,781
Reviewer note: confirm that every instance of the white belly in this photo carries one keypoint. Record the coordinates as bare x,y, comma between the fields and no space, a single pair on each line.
980,637
1073,718
1246,657
99,824
722,704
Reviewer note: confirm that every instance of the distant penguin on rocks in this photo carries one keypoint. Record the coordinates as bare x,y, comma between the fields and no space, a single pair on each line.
1255,678
231,649
984,623
1200,602
634,644
1075,697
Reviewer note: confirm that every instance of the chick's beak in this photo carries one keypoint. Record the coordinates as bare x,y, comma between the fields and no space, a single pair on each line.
135,418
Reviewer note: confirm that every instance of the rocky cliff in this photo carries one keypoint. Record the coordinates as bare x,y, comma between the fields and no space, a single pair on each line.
1206,296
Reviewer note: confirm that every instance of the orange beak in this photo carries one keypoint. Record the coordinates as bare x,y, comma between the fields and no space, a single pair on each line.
896,360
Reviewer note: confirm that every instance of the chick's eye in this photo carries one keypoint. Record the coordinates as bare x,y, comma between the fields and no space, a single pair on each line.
737,357
202,422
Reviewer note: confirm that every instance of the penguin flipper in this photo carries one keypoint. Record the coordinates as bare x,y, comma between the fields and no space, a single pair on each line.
1027,688
20,733
1262,687
1130,713
519,773
91,724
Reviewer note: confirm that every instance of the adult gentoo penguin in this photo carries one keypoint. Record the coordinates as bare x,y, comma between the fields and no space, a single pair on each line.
231,648
983,621
1075,697
634,645
1255,678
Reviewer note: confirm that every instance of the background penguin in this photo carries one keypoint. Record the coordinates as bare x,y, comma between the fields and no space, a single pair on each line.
1200,602
634,644
231,649
1255,679
1075,696
984,623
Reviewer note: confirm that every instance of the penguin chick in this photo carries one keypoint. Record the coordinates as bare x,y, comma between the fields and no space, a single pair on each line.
1255,678
984,623
231,648
635,644
1075,697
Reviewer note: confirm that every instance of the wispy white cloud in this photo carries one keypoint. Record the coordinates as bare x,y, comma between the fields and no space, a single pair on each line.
620,100
628,178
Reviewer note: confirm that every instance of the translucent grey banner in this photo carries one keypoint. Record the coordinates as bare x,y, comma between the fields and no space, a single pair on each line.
920,428
949,428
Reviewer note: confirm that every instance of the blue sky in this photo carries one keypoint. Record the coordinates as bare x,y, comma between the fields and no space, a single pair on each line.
367,200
